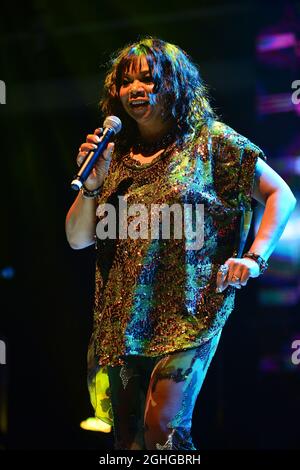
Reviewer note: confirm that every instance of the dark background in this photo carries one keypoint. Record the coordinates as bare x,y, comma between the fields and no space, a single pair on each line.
52,62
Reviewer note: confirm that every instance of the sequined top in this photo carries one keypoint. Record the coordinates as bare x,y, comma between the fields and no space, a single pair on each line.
157,295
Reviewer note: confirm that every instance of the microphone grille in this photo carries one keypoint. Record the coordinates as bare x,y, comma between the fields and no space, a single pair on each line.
114,123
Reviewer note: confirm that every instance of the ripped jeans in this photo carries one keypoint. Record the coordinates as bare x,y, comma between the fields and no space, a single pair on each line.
153,398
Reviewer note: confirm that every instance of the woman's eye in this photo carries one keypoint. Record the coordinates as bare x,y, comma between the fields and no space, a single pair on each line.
126,81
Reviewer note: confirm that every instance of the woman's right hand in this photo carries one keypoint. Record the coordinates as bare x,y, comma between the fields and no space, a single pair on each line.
100,170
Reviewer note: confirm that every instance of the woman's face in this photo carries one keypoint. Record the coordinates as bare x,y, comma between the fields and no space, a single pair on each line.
135,95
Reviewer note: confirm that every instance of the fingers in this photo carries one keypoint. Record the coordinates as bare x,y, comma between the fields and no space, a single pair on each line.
86,147
96,137
234,279
244,279
93,139
221,275
80,158
83,151
108,151
232,273
98,131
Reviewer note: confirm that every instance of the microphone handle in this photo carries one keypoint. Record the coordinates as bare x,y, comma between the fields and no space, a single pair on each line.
91,159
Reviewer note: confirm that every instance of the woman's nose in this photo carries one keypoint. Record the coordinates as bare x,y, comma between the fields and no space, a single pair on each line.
136,88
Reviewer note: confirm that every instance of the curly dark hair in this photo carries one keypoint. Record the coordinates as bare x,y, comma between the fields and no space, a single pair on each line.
176,79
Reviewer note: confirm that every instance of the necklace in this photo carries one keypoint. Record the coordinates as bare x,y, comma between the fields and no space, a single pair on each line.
150,148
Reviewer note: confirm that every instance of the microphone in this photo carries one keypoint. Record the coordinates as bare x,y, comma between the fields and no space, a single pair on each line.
112,125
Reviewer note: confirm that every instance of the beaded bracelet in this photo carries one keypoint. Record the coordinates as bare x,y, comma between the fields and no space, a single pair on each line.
263,265
87,194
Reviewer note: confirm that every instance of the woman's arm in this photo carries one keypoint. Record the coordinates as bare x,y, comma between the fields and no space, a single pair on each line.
273,192
81,219
81,223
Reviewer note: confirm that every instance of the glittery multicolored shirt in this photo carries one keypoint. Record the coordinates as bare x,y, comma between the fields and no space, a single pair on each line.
157,295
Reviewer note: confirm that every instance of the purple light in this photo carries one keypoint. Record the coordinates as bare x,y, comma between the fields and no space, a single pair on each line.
277,103
273,42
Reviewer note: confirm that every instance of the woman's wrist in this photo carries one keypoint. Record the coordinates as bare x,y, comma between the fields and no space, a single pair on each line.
262,263
90,193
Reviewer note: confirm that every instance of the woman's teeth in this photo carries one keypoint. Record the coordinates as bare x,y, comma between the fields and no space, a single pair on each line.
139,103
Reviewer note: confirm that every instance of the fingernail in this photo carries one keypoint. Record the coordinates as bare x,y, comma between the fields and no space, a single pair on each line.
94,146
97,138
218,290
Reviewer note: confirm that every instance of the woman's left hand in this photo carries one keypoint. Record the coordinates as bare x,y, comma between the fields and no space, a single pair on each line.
236,272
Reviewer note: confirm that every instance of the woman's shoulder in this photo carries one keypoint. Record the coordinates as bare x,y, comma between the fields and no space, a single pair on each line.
227,134
231,139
